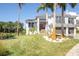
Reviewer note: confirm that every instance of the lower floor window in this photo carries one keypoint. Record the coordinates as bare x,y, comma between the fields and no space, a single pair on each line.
71,30
59,30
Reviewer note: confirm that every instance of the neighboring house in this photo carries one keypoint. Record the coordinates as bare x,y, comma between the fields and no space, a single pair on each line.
69,23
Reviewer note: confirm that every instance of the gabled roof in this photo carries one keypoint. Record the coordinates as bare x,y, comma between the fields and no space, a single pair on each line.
43,17
31,20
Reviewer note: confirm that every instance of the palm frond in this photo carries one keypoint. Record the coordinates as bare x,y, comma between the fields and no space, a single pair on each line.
62,5
73,4
20,5
44,6
50,6
41,7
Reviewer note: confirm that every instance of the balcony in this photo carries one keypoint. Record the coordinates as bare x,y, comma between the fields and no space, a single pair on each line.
65,25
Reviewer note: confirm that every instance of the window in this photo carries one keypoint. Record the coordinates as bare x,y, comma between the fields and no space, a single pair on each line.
59,30
71,30
31,24
77,22
59,19
71,21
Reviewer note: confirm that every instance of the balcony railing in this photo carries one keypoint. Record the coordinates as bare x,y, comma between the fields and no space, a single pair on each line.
65,25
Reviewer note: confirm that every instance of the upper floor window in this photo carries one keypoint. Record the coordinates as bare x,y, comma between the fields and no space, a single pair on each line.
71,20
31,24
77,22
59,19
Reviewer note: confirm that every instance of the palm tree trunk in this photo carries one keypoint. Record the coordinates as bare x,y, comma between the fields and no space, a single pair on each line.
18,27
19,12
62,24
53,33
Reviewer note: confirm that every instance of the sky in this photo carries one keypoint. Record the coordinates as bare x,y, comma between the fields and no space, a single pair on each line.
9,11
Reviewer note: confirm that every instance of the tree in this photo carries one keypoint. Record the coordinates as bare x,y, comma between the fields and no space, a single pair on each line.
63,7
73,4
52,7
53,34
1,26
19,13
10,27
43,6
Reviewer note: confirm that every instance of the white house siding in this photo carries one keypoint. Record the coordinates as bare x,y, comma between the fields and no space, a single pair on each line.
69,24
27,28
38,27
66,22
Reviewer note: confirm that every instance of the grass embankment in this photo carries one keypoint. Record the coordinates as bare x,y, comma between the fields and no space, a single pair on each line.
35,46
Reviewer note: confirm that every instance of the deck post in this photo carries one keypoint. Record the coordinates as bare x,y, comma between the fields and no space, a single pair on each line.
74,28
66,21
38,25
46,23
27,29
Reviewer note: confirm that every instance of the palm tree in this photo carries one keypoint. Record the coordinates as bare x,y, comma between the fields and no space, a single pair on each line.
53,34
19,13
63,7
50,6
43,6
73,4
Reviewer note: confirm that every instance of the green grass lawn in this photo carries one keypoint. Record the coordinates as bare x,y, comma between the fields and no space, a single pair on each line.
35,45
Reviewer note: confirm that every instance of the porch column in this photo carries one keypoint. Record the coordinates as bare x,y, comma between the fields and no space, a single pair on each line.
46,23
66,31
66,21
74,28
27,29
38,25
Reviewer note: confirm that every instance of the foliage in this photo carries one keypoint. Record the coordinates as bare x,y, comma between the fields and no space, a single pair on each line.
3,49
73,4
10,27
7,36
35,45
32,29
44,6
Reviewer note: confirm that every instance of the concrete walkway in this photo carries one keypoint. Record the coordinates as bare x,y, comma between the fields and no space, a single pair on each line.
74,51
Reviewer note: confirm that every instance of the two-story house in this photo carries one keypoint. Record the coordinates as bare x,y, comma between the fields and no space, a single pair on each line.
40,23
